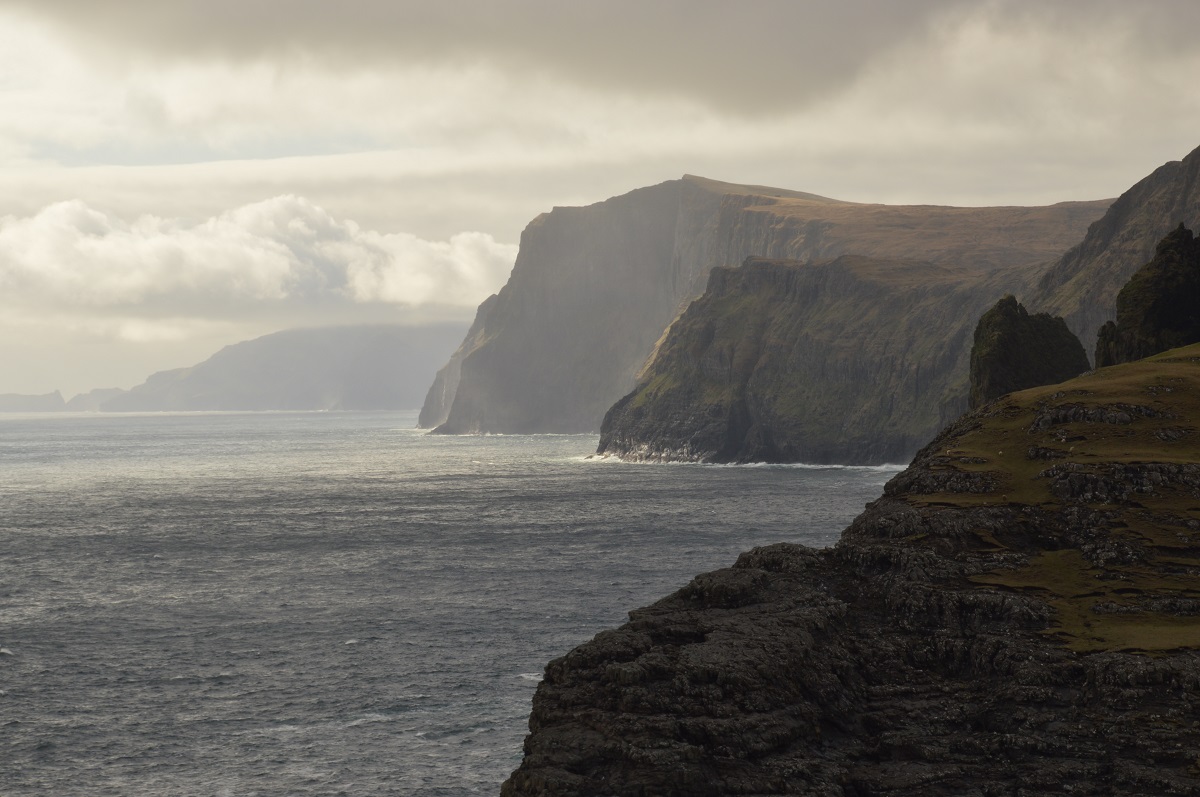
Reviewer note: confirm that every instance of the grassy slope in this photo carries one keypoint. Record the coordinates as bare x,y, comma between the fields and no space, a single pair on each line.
1161,526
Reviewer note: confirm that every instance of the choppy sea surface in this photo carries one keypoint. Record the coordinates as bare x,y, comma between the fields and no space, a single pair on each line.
331,603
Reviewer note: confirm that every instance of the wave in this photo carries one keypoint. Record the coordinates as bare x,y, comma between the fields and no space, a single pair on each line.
890,467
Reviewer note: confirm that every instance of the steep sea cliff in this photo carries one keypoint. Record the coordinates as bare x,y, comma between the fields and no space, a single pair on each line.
883,384
593,288
858,360
1018,614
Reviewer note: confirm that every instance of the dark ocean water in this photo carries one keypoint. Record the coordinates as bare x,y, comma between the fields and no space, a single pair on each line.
331,603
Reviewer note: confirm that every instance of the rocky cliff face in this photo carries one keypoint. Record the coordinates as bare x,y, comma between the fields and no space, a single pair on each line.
436,407
1082,286
1013,350
593,288
1159,308
1018,614
856,360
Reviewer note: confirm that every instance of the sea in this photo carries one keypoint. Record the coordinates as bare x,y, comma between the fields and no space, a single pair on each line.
332,603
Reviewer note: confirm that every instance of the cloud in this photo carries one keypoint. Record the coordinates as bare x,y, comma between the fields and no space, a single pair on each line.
284,251
754,56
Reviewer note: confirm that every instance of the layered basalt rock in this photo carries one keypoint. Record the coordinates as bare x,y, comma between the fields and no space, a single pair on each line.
997,623
1013,350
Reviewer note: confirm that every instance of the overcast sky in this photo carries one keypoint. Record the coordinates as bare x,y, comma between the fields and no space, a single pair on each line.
182,174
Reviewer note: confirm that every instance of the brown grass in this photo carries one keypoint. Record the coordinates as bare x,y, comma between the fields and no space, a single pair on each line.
1154,523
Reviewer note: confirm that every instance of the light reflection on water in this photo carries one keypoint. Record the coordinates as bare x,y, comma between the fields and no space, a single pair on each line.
324,603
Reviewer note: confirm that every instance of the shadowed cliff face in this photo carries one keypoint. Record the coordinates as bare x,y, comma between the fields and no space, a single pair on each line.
1018,614
1159,308
1013,350
857,360
1082,286
593,288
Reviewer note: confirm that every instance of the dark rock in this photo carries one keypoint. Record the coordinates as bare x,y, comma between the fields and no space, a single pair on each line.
1159,308
1083,284
977,631
1014,350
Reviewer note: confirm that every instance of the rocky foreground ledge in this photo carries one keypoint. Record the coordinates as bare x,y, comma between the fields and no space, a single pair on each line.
1019,614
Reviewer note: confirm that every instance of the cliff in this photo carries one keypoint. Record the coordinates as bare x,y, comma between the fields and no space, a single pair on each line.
1019,613
1082,286
855,360
1159,308
25,402
593,288
436,406
1013,350
370,367
829,419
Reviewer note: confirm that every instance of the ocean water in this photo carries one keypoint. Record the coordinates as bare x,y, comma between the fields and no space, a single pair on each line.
331,603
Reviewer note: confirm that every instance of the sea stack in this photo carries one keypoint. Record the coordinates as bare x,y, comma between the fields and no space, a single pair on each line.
1014,350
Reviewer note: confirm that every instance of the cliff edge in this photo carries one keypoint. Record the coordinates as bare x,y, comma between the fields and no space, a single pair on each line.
1019,613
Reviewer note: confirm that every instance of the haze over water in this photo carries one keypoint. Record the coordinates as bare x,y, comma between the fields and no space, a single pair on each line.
331,603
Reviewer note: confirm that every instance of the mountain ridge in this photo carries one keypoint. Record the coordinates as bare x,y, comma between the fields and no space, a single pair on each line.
364,367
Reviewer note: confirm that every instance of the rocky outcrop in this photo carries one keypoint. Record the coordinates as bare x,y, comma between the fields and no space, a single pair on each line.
371,367
1159,308
856,360
593,288
1016,615
1013,350
1082,286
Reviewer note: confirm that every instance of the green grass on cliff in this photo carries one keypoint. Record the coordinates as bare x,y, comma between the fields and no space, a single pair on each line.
1108,605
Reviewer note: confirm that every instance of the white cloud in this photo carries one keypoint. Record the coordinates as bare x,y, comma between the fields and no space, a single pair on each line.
280,251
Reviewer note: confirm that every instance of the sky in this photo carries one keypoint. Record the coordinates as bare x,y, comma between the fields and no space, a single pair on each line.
179,175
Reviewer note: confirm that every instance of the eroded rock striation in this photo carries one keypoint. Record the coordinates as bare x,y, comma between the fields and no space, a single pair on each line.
1019,613
1159,308
855,360
1013,350
593,288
